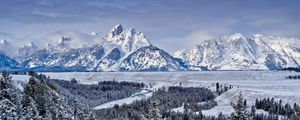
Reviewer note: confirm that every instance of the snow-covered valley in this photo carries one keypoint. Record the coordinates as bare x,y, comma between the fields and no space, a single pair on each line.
252,84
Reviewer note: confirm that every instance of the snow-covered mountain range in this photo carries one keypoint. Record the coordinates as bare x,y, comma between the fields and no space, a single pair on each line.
236,52
129,50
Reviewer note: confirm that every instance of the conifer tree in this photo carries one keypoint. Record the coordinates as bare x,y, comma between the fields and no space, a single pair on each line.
294,117
186,112
217,87
154,112
253,111
5,81
41,100
240,110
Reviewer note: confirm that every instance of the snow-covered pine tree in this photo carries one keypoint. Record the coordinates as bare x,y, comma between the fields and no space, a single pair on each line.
41,100
253,111
187,112
294,117
240,110
5,81
80,112
28,108
154,111
217,87
221,116
9,97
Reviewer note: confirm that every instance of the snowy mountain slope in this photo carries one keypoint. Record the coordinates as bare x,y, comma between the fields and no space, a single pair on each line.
151,58
81,59
236,52
110,59
7,62
57,42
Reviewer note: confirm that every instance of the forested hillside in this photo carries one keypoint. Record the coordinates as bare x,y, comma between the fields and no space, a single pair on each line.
37,100
96,94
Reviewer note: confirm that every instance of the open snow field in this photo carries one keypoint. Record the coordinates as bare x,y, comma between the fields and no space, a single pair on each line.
252,84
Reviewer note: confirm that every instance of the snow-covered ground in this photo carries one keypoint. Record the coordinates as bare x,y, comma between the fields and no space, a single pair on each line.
252,84
179,109
20,77
19,80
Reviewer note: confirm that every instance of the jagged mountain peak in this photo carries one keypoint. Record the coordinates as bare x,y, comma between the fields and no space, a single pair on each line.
127,40
117,30
30,45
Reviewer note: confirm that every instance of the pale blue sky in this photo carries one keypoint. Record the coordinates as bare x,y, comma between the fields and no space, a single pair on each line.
164,22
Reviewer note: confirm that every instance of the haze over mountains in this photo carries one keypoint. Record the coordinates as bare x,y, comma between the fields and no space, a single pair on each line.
129,50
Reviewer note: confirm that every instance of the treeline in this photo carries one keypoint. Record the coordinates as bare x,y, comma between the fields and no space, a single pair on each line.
161,103
93,95
175,96
222,88
241,112
19,72
277,107
122,83
296,69
293,77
